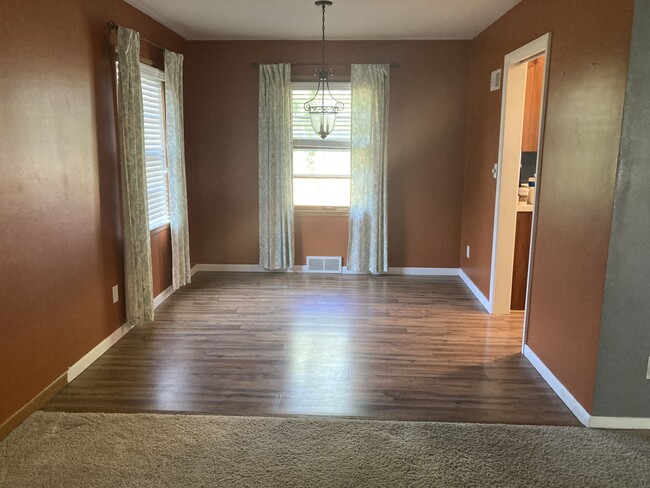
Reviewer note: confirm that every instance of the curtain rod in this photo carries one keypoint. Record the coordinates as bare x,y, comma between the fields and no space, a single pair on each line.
112,26
257,65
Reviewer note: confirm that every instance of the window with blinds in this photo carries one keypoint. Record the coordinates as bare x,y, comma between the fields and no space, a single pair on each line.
153,101
321,167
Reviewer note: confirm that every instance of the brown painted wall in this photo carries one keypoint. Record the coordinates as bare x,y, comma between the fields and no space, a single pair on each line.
427,137
588,69
60,237
320,236
161,259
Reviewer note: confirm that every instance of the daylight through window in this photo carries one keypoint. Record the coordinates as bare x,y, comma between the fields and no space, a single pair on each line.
321,167
153,101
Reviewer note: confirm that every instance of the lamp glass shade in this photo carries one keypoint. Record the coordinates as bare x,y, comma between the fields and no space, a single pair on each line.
323,120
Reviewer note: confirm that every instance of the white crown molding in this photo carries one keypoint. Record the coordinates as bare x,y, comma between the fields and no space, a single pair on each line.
258,19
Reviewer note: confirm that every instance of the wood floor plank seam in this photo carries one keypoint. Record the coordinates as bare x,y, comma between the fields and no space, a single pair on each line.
386,347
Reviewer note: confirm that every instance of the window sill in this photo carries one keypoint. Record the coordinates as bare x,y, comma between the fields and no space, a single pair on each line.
158,230
322,211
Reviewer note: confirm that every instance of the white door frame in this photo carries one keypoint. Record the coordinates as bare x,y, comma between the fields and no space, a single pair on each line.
508,175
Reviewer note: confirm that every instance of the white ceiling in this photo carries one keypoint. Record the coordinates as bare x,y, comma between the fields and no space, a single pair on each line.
346,19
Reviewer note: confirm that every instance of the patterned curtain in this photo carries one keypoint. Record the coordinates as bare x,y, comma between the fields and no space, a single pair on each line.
368,244
137,247
175,146
275,167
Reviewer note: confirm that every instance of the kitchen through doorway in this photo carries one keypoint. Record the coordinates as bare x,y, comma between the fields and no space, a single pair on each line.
519,176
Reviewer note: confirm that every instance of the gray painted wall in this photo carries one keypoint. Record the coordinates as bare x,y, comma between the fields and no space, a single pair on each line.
622,389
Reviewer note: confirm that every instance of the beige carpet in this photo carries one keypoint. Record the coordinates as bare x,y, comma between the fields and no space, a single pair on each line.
115,450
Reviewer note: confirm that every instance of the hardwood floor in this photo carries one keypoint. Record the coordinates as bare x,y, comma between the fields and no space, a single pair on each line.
387,347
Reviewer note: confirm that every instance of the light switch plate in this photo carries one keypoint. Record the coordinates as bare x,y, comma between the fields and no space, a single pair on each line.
495,170
467,252
647,374
116,294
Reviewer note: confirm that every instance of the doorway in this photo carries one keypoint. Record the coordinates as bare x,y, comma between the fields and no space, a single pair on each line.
520,154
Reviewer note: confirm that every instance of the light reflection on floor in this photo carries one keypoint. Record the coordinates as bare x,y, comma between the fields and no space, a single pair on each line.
319,376
168,383
416,348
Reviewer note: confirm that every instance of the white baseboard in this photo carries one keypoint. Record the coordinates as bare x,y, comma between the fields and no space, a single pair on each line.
628,423
407,271
162,297
33,405
77,368
240,268
255,268
345,270
474,289
565,395
424,271
243,268
588,420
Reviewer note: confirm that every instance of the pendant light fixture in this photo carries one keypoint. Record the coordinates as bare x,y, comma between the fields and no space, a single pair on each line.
323,107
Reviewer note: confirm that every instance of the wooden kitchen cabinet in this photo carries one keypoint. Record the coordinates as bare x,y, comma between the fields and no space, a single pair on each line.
533,105
520,262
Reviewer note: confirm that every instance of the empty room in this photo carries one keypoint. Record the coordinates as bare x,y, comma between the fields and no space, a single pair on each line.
324,243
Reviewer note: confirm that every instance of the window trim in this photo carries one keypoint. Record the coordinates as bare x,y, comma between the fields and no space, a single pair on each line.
324,145
320,145
320,211
152,71
159,229
322,177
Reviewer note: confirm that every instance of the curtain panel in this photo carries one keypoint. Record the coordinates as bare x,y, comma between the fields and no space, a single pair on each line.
368,241
137,247
276,239
175,147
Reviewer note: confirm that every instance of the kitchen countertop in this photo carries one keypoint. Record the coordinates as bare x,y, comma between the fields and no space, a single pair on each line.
525,207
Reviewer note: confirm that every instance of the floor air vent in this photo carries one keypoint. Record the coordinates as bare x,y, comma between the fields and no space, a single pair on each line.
324,264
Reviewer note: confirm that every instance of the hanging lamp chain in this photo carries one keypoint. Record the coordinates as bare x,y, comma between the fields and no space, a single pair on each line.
323,116
323,65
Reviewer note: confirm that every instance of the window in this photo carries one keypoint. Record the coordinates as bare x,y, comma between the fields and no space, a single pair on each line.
153,102
321,167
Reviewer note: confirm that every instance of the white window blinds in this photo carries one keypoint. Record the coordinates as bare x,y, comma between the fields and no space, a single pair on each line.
154,145
321,167
303,133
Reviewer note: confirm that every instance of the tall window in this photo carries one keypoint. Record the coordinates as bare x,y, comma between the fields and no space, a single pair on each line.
321,167
153,101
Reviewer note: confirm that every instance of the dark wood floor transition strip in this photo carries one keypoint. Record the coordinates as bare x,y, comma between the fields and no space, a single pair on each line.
385,347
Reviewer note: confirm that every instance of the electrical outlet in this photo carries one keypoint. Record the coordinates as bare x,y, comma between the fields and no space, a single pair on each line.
467,252
647,374
116,294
